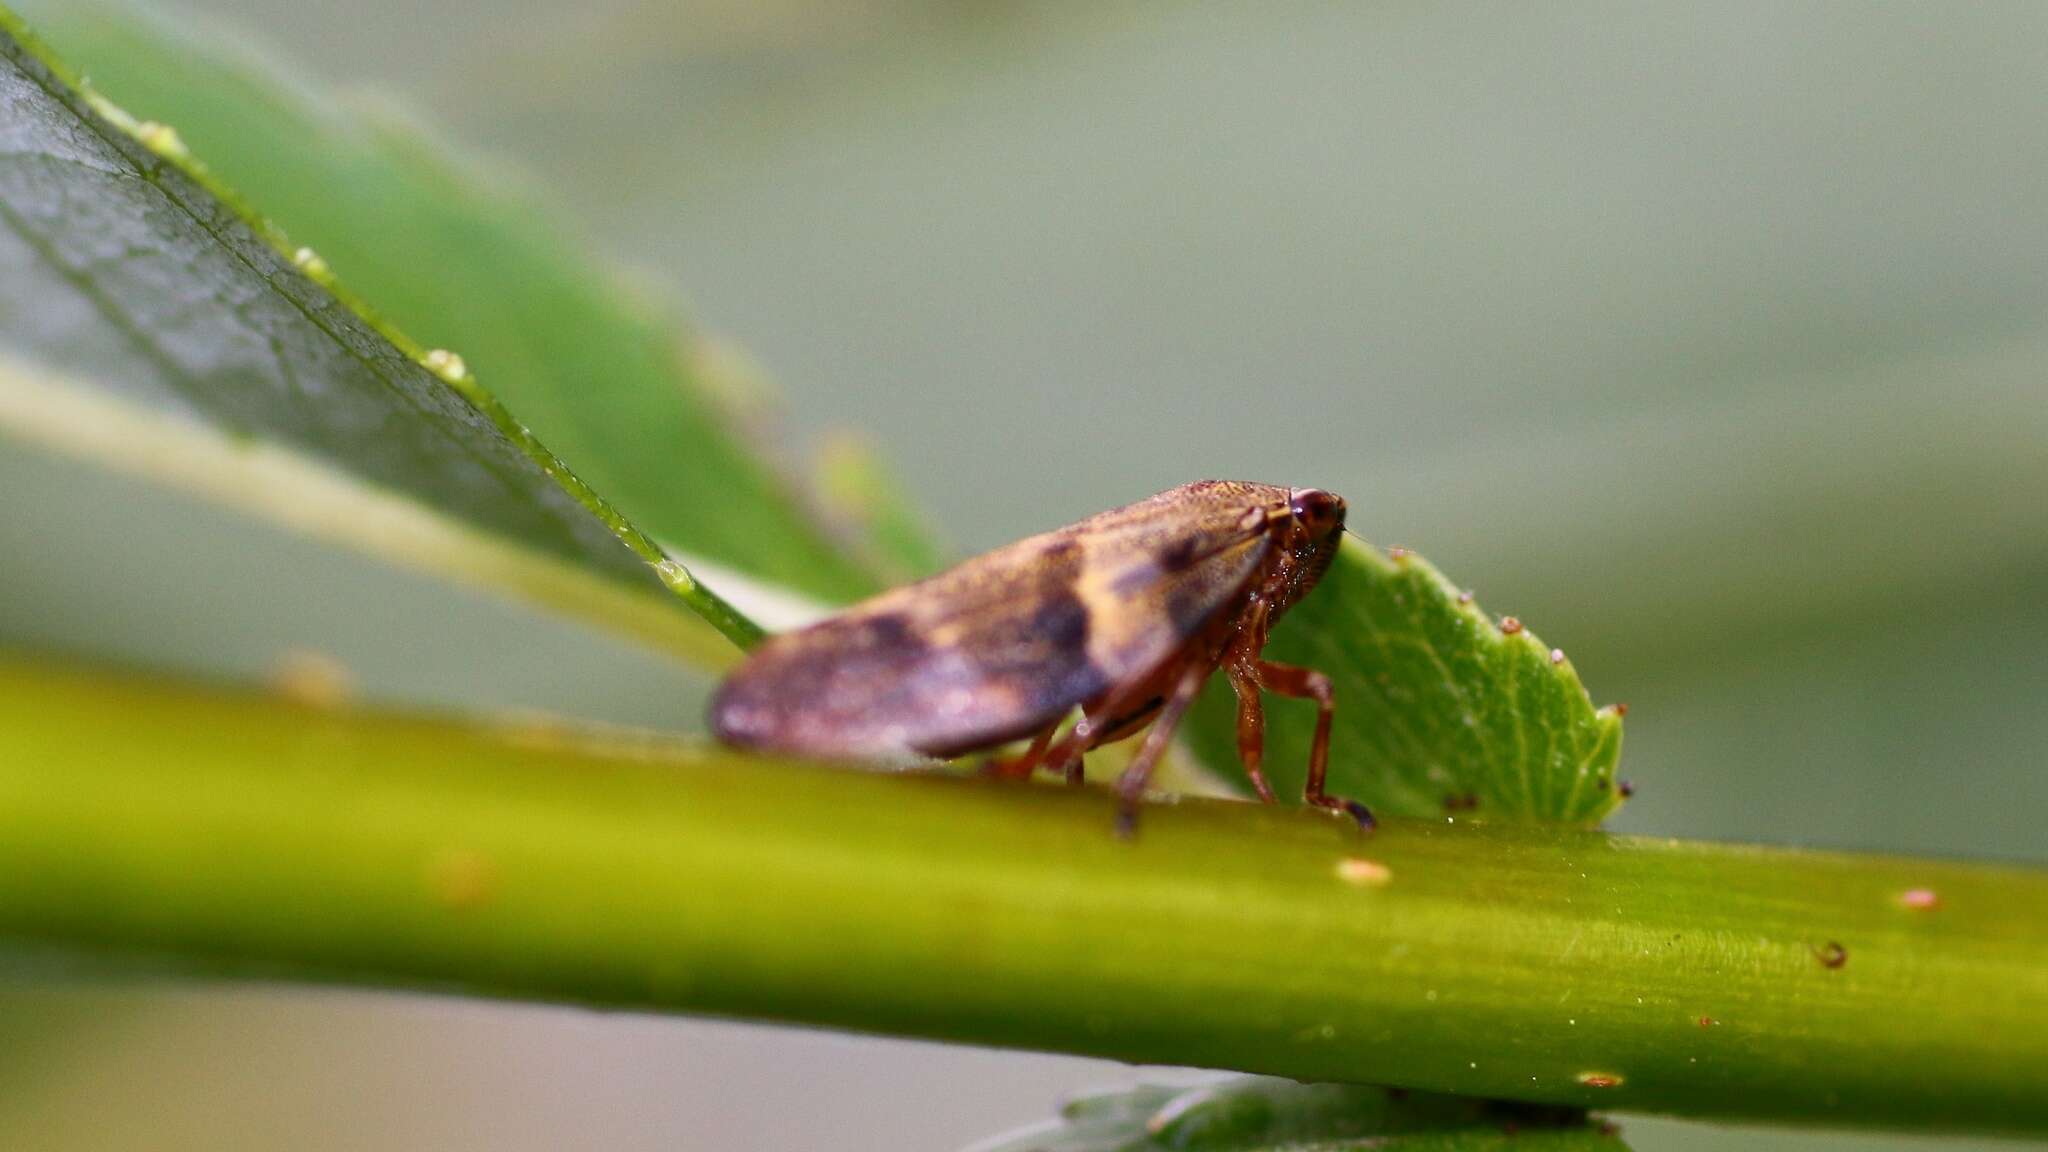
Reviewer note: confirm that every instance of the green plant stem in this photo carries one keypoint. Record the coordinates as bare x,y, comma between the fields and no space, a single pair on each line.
245,835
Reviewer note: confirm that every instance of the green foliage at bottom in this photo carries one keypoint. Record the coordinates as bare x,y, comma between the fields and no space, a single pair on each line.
1260,1114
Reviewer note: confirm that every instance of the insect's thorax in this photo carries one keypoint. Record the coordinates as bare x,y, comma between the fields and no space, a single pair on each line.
1235,634
1297,563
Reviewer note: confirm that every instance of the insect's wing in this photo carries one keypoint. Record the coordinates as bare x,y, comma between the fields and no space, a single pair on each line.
972,657
1157,573
1007,643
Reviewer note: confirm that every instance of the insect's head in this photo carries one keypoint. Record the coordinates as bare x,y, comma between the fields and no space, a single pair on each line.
1320,513
1318,525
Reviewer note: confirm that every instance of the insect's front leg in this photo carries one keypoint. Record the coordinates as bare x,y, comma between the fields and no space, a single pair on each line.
1309,684
1241,660
1251,728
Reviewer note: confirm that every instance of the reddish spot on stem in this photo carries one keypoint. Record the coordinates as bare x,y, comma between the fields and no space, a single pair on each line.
1708,1022
1557,655
1600,1079
1364,873
1398,553
312,679
1509,625
1620,709
461,878
1831,954
1464,597
1920,899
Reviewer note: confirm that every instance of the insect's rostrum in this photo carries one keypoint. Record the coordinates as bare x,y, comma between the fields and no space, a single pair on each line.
1122,616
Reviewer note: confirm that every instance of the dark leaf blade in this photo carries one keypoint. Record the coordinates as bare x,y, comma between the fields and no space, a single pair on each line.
131,284
1440,709
104,239
461,259
1258,1113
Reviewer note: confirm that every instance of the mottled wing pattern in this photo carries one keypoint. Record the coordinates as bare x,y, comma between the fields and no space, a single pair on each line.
1157,571
1006,643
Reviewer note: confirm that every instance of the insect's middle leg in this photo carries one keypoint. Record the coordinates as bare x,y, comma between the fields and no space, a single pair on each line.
1309,684
1074,769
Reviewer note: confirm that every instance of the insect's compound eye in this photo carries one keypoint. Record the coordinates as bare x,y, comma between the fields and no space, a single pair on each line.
1320,512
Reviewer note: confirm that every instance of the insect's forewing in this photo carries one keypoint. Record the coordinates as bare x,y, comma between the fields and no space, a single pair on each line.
1007,643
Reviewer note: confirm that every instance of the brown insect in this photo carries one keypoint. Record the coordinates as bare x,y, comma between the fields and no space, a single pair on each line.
1124,616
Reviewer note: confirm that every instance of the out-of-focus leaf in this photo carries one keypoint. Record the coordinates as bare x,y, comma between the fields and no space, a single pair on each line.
861,492
1439,708
459,258
1256,1113
153,324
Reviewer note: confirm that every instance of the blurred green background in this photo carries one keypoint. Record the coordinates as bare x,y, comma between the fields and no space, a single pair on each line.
1713,341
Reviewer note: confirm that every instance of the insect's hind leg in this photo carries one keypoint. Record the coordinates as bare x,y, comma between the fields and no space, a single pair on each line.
1107,719
1130,787
1309,684
1022,765
1064,757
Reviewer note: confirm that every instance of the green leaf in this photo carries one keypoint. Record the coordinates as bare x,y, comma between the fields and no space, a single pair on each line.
156,326
241,834
860,490
1255,1114
460,258
1439,709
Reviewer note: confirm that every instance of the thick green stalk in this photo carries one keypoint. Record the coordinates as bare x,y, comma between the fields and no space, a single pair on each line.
248,835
